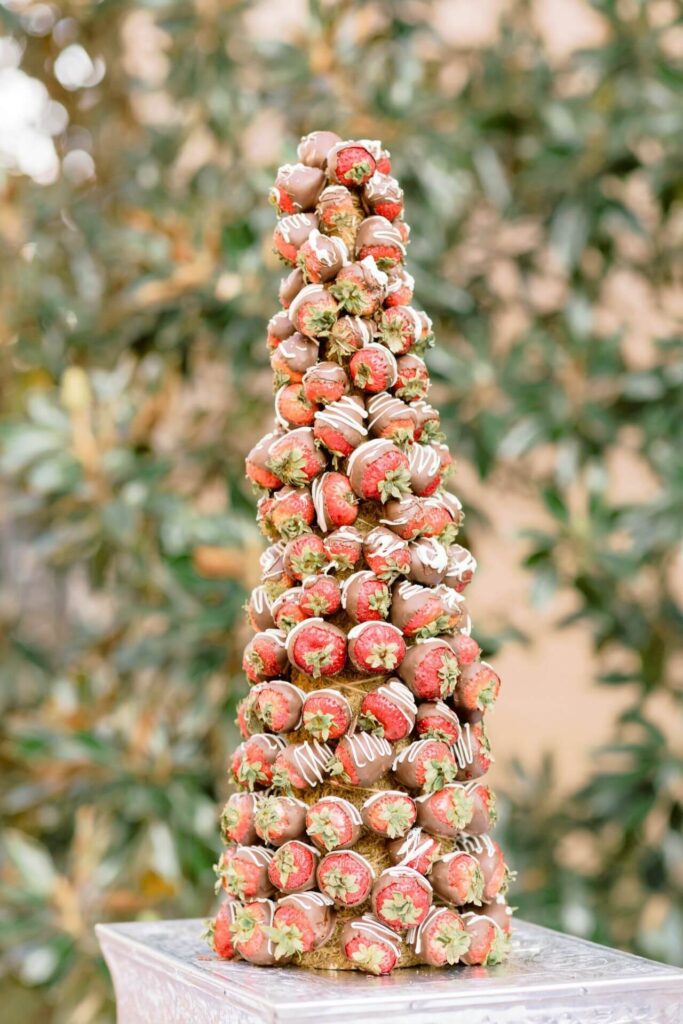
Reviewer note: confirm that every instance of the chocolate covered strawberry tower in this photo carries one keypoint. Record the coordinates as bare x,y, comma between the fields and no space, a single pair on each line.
358,837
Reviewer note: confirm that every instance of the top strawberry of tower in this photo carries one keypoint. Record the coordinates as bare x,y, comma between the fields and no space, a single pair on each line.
358,837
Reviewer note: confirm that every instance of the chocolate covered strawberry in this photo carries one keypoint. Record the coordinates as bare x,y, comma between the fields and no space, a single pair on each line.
243,872
477,688
295,458
360,759
359,287
320,596
426,470
259,610
386,554
426,764
326,714
302,922
465,648
436,721
427,561
370,946
325,383
379,238
301,765
257,462
416,850
292,358
313,311
314,148
383,195
265,656
340,426
244,718
293,866
426,337
273,573
399,329
304,556
297,188
376,647
440,517
290,286
391,418
365,598
290,234
278,819
418,611
279,328
252,763
335,503
495,872
317,648
405,516
218,932
321,257
346,877
441,938
237,819
373,368
447,811
457,878
349,334
499,912
292,511
292,408
277,705
401,898
350,163
344,548
287,610
430,670
473,752
412,380
428,422
400,287
462,566
388,711
488,942
378,471
340,213
333,823
251,929
389,813
484,813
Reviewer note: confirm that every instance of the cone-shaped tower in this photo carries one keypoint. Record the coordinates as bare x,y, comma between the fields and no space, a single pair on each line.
359,835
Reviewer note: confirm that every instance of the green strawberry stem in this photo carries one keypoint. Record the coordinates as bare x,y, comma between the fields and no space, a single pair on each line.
395,484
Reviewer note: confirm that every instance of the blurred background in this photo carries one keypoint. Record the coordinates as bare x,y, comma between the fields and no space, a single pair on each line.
539,146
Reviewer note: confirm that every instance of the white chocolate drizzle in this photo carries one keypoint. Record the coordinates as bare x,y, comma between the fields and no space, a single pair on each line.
351,809
310,760
397,692
369,926
462,748
365,749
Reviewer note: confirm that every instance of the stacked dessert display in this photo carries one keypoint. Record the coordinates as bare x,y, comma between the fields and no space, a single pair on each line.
359,834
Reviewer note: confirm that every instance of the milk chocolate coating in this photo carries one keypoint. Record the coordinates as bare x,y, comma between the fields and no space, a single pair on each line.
319,911
264,954
461,567
383,544
290,287
385,410
313,148
431,822
352,332
371,756
381,188
259,609
346,416
399,513
483,800
378,231
296,228
406,765
297,352
293,699
328,373
427,561
272,562
411,846
279,325
498,911
425,468
438,876
303,184
294,812
434,712
407,599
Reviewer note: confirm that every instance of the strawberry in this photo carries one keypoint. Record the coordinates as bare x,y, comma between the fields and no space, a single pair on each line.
460,569
495,872
293,867
278,819
259,611
265,656
321,258
428,422
426,764
279,328
244,872
457,878
297,188
391,418
417,611
287,610
465,648
277,705
444,454
256,463
301,765
498,911
252,763
378,471
484,815
473,752
313,311
334,501
400,287
339,426
251,932
350,164
273,574
290,360
373,368
325,383
370,946
349,334
382,239
360,759
401,898
477,688
237,819
447,811
264,508
426,337
430,670
399,329
364,597
383,196
326,714
386,554
405,516
343,547
243,721
345,877
304,556
292,511
388,711
436,721
441,939
416,850
320,596
295,458
412,380
428,561
426,470
317,648
488,942
290,286
359,287
340,213
302,922
383,161
292,408
290,234
376,647
218,931
313,149
443,517
389,813
333,823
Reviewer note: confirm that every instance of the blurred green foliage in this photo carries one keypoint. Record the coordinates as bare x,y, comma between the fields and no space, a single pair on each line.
544,192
